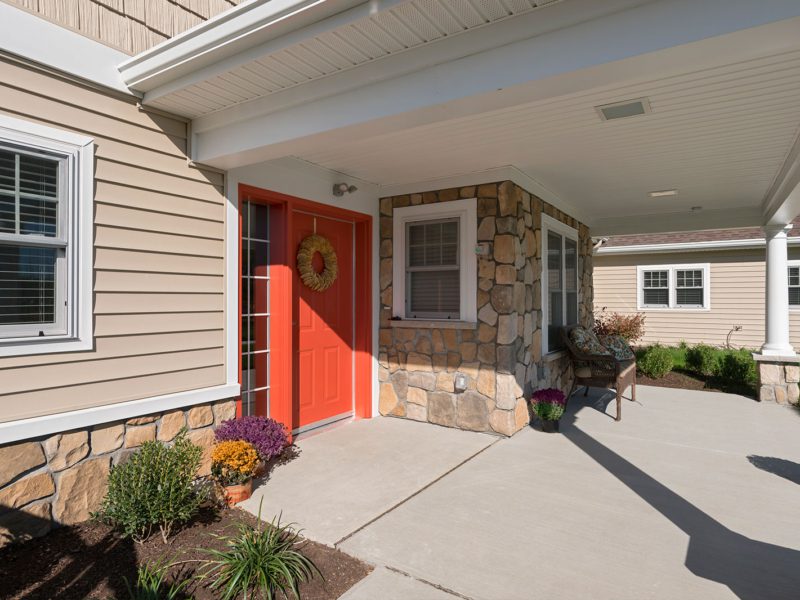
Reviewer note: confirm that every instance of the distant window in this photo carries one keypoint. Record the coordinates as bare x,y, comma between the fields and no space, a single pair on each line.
794,285
673,287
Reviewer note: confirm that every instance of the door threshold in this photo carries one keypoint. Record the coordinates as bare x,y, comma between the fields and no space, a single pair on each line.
323,425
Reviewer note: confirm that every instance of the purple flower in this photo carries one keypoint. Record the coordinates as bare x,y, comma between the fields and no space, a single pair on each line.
267,435
550,396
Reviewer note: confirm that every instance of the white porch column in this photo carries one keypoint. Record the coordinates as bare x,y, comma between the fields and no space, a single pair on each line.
776,341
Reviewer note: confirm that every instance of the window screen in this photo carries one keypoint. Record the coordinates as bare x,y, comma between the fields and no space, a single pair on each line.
433,278
555,289
655,288
31,244
689,287
794,286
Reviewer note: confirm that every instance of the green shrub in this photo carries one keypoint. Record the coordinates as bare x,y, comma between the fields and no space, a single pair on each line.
738,366
262,561
703,359
655,361
151,583
153,489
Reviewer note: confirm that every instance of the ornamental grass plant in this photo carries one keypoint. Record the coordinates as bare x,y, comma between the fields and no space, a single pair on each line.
265,562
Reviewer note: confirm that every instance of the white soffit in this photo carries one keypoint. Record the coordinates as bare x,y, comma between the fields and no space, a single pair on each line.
719,135
387,28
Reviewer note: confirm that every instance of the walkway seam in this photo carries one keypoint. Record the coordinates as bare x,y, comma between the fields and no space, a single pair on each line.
415,494
430,583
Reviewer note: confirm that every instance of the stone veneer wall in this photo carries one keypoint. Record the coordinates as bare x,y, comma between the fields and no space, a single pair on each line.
501,357
778,380
60,479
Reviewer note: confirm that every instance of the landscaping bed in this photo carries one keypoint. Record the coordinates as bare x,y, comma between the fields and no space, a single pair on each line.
685,380
91,560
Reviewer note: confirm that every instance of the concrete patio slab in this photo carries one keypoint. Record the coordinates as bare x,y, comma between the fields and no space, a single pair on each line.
348,476
391,585
665,504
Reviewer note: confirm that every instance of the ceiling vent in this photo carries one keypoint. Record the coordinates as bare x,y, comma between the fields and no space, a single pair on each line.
624,109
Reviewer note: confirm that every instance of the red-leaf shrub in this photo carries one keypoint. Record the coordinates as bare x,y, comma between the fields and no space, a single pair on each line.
630,327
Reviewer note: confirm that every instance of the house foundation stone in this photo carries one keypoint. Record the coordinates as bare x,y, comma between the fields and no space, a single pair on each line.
778,378
60,479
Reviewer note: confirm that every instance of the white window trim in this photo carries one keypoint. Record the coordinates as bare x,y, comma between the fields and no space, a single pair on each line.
672,283
467,213
556,226
792,263
80,150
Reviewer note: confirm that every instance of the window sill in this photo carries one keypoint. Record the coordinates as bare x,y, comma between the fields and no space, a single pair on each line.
432,324
44,346
551,356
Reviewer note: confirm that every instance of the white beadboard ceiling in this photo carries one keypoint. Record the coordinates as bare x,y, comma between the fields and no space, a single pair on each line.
406,25
720,136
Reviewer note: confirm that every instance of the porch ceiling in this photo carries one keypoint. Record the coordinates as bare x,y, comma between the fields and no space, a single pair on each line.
719,136
415,94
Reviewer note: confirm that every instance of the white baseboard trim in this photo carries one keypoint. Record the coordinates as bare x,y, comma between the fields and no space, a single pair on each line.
23,429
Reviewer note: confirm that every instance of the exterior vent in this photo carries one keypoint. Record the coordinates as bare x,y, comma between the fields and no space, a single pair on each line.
624,109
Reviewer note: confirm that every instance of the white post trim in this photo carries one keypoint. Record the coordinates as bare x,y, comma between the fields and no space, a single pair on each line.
776,341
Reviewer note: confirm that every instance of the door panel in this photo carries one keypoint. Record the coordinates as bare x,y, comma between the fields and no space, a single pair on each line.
324,327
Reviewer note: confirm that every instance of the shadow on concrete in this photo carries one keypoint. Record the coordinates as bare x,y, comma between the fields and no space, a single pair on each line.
751,569
777,466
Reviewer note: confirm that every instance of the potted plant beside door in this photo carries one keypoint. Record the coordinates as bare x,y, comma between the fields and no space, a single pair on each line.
549,405
267,436
233,464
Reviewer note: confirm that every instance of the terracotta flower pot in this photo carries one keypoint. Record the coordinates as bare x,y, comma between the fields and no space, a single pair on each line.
238,493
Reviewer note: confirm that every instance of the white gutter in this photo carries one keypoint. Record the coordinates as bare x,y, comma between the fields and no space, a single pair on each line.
689,246
38,40
234,31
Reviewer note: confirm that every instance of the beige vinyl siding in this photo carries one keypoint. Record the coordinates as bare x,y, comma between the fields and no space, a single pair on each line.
128,25
736,292
158,257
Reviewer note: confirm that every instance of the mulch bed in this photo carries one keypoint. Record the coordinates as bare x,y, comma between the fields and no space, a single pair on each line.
90,560
691,381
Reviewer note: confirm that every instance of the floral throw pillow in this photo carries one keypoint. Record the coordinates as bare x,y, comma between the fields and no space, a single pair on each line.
618,346
586,341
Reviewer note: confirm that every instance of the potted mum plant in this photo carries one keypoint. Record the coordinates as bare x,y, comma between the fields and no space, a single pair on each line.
233,464
549,405
267,436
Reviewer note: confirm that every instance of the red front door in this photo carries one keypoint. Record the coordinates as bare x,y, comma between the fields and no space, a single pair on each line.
323,327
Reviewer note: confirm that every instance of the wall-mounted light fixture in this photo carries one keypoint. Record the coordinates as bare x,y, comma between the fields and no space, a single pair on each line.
340,189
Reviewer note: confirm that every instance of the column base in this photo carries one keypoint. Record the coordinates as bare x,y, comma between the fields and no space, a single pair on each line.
778,378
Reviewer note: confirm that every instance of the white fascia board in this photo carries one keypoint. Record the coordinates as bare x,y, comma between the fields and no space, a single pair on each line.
23,429
782,202
230,39
38,40
664,37
688,246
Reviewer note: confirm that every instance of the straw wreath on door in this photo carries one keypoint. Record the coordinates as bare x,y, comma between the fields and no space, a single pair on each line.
319,282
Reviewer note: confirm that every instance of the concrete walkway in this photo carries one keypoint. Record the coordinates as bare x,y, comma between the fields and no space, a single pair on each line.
692,495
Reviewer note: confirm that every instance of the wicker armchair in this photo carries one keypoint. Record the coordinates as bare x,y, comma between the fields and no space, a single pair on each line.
593,370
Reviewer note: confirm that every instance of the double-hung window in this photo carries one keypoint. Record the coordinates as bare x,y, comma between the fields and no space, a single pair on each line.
434,268
560,280
673,287
794,284
45,239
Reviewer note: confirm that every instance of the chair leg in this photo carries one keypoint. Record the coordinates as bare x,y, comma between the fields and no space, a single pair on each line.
586,391
633,390
619,404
